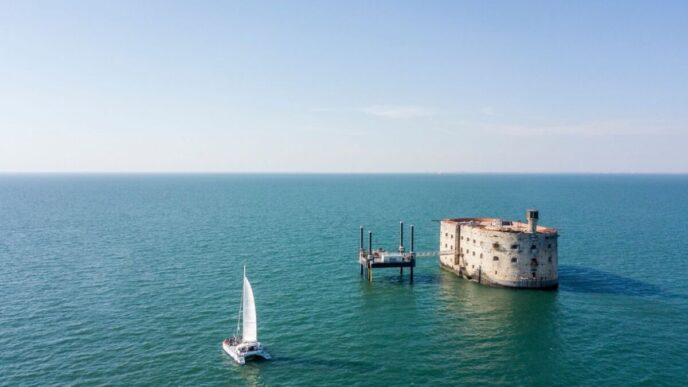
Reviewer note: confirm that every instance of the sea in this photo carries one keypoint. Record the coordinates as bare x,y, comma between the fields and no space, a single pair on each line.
135,279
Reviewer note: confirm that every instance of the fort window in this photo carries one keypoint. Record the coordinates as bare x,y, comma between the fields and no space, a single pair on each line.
513,259
549,259
445,245
495,258
549,246
474,253
533,247
533,275
495,245
446,234
481,255
514,246
473,240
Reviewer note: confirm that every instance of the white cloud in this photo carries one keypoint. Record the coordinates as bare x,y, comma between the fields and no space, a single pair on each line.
398,112
588,129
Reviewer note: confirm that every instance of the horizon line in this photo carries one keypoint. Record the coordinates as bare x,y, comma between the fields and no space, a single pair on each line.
326,173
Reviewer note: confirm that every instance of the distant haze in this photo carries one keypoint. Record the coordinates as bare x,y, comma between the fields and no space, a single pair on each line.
426,86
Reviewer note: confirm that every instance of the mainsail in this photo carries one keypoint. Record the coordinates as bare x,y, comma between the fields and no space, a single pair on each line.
250,330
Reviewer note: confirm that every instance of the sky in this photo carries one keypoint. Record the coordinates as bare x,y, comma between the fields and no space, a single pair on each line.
344,86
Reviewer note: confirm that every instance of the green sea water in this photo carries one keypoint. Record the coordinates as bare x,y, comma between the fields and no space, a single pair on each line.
136,280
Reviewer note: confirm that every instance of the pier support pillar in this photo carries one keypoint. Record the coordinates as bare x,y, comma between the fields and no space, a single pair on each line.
411,274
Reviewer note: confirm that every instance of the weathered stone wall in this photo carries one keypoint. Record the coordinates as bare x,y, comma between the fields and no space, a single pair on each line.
496,257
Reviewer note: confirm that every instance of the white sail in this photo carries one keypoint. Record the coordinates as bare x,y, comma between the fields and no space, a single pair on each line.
250,329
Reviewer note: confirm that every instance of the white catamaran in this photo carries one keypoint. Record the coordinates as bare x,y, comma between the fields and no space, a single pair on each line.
246,345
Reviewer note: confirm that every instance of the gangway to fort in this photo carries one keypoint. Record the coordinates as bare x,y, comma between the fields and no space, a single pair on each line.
428,254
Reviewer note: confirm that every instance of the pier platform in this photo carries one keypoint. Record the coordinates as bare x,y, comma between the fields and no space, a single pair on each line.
384,259
370,259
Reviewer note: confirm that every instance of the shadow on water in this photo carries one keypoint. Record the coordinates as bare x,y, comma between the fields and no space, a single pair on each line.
582,279
418,279
425,279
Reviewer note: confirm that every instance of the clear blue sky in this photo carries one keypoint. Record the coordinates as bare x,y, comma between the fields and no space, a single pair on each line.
326,86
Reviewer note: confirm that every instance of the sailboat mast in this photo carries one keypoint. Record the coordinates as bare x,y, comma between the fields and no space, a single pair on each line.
241,307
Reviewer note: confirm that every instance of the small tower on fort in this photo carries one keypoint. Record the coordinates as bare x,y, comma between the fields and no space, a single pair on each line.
532,216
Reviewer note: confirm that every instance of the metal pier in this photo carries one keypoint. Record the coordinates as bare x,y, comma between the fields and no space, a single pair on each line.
370,259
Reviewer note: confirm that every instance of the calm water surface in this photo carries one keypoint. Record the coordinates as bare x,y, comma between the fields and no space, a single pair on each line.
136,279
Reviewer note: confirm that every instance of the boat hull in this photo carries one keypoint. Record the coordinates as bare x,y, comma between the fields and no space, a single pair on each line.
240,354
